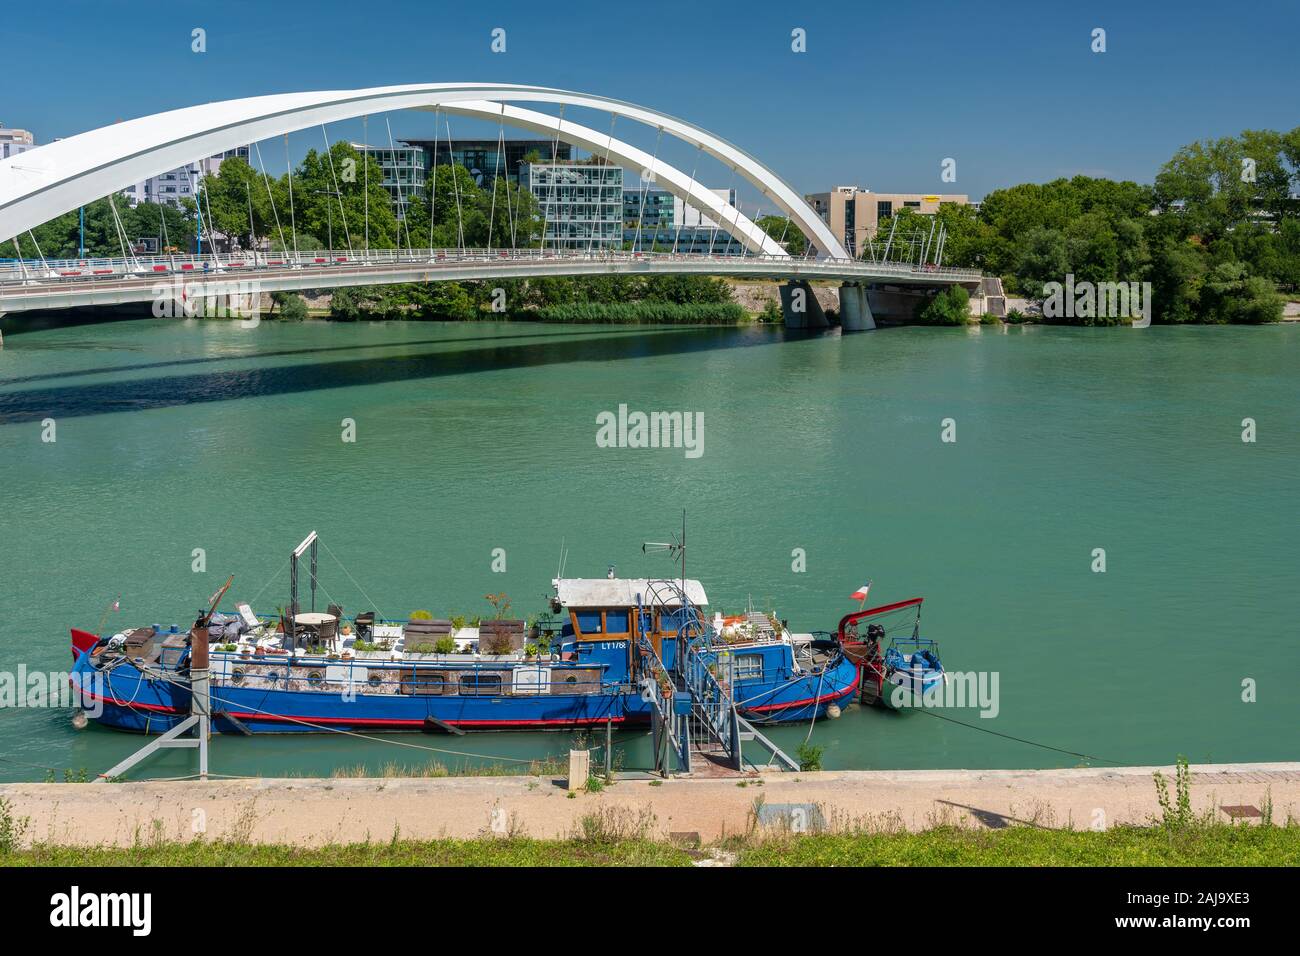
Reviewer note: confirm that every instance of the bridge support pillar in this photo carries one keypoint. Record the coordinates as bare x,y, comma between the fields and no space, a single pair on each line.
800,307
855,310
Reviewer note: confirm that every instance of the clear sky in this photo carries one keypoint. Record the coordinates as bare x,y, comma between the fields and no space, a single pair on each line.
885,92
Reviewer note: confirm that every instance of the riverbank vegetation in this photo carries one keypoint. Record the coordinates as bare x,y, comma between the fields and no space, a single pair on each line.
1217,234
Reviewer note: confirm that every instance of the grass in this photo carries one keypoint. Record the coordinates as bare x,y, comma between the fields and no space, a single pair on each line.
1216,845
620,836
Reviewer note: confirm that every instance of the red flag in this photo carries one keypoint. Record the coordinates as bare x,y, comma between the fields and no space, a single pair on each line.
861,593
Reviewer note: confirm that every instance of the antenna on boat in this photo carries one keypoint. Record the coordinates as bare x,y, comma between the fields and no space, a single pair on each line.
564,559
676,548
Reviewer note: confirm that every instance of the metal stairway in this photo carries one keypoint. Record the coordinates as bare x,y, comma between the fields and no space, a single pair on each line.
709,728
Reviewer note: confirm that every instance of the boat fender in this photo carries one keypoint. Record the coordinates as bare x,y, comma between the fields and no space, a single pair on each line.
833,711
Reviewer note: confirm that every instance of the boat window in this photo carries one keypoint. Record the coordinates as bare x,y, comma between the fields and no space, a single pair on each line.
589,622
616,622
749,667
670,622
480,684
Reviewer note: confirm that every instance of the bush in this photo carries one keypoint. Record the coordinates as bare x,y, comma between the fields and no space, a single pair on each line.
949,307
445,645
421,615
771,314
290,306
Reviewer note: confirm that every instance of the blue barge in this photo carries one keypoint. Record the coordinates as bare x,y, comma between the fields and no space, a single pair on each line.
620,652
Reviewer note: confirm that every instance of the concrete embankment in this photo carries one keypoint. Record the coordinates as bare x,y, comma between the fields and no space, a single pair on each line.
345,810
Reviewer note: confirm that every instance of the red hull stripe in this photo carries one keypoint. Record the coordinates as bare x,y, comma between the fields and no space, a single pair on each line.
357,721
809,700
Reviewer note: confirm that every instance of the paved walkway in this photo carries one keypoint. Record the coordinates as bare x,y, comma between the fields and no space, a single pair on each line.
308,812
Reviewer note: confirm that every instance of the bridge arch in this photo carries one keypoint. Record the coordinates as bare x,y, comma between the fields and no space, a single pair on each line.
45,182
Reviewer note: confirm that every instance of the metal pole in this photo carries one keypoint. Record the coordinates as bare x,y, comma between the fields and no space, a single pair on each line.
609,748
81,242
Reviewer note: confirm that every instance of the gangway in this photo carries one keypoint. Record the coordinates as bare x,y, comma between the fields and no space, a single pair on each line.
701,720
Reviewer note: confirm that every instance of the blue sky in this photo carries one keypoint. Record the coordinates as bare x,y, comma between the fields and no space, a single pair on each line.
884,93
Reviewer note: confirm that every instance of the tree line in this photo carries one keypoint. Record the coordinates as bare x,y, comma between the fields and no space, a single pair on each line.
1217,234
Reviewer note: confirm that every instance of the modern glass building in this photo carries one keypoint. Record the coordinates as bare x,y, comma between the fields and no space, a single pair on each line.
485,159
667,224
403,168
582,203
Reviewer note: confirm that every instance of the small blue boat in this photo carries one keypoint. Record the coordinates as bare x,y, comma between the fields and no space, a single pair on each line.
897,669
612,651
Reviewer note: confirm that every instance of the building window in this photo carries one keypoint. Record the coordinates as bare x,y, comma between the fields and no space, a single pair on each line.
912,204
884,209
749,667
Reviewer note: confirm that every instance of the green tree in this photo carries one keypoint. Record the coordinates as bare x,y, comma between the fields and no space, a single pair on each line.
949,307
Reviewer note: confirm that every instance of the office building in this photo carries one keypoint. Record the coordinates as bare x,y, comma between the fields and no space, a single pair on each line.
404,172
855,214
14,141
485,159
175,185
582,202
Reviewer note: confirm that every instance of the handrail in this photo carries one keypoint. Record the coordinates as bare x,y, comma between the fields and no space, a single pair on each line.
37,273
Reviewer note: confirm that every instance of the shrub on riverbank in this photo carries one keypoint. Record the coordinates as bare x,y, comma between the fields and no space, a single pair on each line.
949,307
645,311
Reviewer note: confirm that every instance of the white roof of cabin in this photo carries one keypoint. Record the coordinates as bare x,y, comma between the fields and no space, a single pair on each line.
622,592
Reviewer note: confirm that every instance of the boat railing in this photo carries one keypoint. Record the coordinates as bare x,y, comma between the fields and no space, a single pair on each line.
443,676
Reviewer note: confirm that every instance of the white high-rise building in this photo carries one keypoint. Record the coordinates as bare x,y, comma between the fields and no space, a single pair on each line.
171,187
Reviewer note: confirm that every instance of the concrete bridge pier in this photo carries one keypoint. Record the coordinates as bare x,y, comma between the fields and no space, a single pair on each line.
855,310
800,307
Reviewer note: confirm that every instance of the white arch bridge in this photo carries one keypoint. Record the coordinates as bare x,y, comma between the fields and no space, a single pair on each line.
48,181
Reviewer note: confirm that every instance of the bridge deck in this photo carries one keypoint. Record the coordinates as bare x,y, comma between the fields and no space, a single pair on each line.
65,284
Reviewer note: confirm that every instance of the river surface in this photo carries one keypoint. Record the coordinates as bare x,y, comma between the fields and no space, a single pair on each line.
177,435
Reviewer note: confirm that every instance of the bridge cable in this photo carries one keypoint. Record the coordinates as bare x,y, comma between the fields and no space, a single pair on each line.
496,166
271,196
212,236
433,195
167,243
401,202
293,225
735,228
365,159
510,216
121,232
730,189
555,150
347,233
645,190
21,267
252,228
600,189
44,265
460,219
677,234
